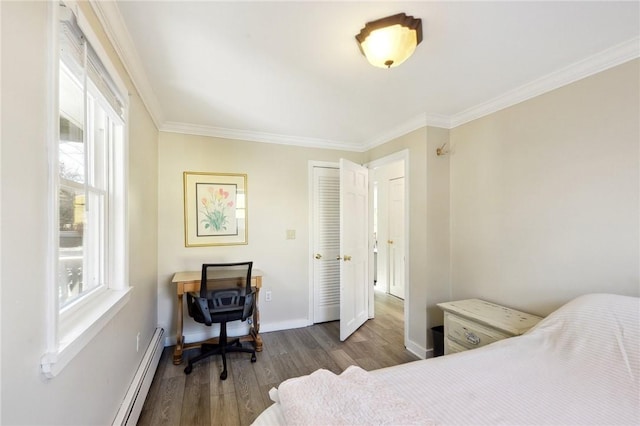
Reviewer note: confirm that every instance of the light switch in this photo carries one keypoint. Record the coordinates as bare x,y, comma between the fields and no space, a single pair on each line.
291,234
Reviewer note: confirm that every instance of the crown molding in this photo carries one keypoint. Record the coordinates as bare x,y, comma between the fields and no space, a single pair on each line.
252,136
439,120
594,64
109,16
402,129
417,122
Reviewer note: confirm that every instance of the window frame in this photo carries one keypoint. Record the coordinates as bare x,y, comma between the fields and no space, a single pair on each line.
71,328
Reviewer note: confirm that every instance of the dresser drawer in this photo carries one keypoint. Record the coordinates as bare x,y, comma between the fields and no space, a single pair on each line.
469,334
451,347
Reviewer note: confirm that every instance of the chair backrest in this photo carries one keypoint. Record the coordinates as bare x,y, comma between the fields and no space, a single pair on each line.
217,276
227,286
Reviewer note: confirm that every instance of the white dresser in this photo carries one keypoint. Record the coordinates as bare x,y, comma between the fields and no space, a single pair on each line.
472,323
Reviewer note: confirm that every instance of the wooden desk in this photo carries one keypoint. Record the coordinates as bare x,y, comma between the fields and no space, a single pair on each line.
189,281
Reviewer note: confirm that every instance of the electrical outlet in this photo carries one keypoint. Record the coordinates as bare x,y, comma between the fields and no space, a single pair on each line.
267,296
138,342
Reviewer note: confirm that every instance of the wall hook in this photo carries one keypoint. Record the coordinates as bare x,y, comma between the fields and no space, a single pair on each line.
441,151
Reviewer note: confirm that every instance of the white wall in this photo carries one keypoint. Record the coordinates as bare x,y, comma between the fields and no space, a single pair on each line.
278,200
90,389
545,196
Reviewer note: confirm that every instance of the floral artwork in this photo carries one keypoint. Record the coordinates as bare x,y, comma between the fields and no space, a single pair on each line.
216,212
215,209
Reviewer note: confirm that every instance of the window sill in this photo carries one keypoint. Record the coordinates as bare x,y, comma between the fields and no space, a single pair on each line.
87,323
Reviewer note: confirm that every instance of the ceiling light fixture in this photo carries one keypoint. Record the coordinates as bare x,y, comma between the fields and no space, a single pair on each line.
389,41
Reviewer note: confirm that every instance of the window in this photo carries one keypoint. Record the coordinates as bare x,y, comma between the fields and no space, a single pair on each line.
88,239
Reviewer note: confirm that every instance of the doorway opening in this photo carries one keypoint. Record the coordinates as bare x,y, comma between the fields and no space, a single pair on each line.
388,229
387,233
389,218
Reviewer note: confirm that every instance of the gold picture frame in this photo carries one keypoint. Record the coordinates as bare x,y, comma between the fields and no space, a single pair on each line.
215,209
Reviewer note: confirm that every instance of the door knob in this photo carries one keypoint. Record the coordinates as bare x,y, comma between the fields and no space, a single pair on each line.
390,241
318,256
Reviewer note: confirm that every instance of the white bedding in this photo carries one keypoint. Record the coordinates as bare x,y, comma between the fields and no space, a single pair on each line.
580,365
323,398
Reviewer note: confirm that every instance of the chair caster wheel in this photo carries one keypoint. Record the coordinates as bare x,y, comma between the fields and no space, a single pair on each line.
253,357
223,375
187,369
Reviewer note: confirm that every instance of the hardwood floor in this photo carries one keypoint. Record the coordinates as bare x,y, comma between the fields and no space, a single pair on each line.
201,398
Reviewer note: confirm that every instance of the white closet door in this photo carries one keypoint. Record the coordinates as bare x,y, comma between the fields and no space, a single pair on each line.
326,267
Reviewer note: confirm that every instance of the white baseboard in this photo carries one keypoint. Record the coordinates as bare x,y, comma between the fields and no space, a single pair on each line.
235,329
129,411
418,350
283,325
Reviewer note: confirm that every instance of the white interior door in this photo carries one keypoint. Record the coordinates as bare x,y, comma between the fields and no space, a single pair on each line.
326,223
396,237
354,269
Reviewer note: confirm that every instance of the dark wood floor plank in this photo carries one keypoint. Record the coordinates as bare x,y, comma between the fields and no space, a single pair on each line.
196,404
146,414
201,398
224,410
217,386
369,364
286,366
249,398
265,370
342,359
323,334
167,410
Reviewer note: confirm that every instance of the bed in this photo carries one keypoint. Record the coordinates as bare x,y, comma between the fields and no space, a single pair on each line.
580,365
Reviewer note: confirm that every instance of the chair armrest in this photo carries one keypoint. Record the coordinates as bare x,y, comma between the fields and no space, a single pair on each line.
248,302
198,308
202,305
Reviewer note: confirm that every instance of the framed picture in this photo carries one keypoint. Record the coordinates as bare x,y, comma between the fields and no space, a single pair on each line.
215,209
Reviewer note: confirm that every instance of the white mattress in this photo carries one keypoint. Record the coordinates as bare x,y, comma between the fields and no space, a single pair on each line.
580,365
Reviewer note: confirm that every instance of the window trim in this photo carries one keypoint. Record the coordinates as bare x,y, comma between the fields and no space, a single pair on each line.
69,330
90,317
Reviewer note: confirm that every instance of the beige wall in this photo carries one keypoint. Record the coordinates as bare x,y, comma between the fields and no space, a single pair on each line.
278,200
90,389
545,196
278,193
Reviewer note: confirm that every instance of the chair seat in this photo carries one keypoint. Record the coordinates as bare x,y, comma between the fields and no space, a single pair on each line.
227,316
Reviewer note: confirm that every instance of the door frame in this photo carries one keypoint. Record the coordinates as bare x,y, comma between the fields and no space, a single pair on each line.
403,156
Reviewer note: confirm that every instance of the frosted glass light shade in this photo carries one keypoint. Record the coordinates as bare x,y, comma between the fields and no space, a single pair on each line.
390,41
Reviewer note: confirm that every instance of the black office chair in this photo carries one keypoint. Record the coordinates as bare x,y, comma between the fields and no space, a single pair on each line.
225,295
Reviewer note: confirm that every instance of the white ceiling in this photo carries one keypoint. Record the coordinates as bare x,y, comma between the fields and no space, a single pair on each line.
291,72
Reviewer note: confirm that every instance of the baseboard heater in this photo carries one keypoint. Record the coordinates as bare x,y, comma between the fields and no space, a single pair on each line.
131,407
